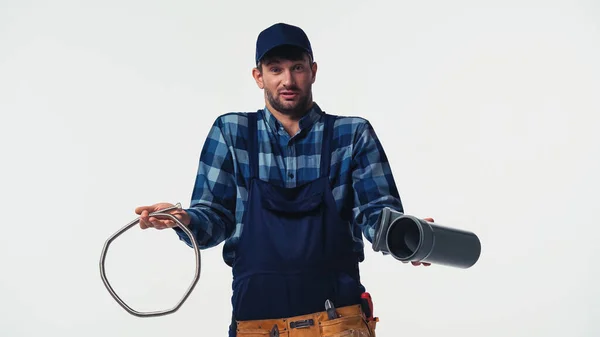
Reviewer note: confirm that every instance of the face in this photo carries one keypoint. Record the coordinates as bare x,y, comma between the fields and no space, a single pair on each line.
287,84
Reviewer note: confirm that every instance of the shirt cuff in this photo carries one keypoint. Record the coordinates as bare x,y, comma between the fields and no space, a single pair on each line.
193,227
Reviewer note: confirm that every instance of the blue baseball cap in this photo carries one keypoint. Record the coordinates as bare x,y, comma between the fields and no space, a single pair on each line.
281,34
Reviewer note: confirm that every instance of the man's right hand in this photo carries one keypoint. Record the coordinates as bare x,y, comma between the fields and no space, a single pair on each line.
146,221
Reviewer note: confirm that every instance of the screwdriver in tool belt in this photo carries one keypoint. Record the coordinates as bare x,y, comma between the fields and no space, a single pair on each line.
330,309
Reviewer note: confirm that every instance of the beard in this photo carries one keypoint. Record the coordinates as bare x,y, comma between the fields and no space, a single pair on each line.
293,108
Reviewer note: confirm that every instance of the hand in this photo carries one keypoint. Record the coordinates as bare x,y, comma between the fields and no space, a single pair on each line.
161,222
417,263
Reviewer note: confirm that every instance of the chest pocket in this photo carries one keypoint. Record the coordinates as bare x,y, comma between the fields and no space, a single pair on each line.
302,199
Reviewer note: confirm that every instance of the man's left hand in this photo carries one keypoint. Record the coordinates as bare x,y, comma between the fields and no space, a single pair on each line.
417,263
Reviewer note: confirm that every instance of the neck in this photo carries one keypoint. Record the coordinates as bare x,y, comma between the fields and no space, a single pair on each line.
290,121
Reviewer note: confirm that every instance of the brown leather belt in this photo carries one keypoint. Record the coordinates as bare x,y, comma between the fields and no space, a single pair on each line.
317,324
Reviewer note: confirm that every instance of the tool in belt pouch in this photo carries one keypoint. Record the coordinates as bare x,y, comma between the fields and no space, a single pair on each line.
350,322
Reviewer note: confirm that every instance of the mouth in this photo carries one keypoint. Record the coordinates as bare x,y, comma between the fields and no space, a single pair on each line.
286,94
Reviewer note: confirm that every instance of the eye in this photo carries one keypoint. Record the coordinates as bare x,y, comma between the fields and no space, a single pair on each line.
299,67
275,69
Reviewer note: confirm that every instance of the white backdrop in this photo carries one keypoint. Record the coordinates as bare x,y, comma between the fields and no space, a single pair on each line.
488,113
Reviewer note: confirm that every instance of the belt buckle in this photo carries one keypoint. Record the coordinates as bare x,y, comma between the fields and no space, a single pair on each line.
305,323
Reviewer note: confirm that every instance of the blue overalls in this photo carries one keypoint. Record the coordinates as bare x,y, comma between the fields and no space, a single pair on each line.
295,251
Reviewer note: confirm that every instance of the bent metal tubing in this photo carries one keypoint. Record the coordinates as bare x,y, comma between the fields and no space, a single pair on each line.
161,213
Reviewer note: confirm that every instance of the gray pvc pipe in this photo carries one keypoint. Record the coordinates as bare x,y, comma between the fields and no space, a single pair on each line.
409,238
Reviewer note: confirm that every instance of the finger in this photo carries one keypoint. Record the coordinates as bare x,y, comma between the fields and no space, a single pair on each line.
179,216
143,222
415,263
426,264
428,219
154,222
144,219
169,224
160,223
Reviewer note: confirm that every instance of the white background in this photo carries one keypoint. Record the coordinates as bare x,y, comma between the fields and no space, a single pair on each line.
489,115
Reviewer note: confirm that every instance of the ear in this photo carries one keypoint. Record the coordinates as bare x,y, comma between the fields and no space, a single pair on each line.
258,77
314,72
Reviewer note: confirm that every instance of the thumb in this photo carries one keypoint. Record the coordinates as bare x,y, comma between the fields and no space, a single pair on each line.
153,208
140,209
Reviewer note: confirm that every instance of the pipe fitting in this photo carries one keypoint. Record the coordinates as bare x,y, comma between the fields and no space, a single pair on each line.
408,238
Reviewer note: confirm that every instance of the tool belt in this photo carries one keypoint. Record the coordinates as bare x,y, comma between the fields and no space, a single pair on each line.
351,322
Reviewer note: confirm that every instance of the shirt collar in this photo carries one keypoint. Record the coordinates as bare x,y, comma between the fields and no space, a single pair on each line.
306,122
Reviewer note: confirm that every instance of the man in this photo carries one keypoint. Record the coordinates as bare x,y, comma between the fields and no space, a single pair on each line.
290,189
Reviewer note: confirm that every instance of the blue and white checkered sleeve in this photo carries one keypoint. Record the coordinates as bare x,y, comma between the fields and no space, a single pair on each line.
373,182
212,207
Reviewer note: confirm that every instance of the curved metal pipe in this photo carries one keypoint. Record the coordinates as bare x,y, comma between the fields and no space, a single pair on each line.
161,213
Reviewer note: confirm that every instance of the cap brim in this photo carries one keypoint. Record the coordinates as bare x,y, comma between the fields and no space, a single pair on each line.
281,45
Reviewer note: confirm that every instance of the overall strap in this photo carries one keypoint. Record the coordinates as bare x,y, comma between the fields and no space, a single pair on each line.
327,140
252,145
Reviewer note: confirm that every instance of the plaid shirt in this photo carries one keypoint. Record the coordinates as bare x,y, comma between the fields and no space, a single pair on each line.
360,175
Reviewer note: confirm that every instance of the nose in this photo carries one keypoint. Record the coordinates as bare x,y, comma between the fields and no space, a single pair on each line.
287,78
